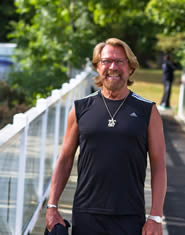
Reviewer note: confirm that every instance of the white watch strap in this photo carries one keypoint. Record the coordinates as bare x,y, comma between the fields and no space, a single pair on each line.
51,206
157,219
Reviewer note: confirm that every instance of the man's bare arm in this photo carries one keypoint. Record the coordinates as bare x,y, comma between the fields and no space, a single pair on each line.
157,153
62,170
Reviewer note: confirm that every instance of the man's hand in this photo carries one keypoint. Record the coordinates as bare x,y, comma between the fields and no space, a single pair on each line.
53,217
152,228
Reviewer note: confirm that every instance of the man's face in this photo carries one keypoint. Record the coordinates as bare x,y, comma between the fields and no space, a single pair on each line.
113,67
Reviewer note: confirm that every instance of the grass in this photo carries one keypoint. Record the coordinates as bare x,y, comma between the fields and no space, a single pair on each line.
148,84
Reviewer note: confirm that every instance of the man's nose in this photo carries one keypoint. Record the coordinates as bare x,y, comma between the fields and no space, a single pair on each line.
113,65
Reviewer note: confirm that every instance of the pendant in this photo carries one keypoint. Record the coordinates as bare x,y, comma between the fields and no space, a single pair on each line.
111,123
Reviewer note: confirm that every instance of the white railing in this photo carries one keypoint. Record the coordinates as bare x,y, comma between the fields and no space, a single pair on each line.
28,152
181,109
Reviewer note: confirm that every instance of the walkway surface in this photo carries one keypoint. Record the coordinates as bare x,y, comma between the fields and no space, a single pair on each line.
174,209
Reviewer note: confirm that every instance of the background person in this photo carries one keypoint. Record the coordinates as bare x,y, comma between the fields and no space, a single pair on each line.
168,68
115,129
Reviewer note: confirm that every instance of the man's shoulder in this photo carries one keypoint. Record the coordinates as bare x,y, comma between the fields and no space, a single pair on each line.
141,106
90,96
87,101
140,98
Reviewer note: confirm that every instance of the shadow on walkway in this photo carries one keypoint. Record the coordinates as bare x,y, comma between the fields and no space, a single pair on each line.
174,209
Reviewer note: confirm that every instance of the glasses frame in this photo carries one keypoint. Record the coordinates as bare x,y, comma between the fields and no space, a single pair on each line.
108,62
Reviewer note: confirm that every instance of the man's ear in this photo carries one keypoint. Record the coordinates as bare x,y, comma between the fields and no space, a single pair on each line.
131,71
97,68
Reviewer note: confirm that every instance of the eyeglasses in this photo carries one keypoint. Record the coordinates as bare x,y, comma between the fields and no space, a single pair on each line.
118,62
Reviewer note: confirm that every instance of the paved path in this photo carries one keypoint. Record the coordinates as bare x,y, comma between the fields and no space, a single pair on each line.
174,209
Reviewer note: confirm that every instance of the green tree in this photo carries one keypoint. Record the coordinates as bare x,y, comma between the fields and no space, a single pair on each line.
7,14
170,16
54,36
50,36
126,20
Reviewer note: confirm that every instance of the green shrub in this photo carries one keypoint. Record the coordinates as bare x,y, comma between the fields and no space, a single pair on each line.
12,101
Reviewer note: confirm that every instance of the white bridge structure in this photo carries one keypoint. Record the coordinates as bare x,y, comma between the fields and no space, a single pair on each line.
28,152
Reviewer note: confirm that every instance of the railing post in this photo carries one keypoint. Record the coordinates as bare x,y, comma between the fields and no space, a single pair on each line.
21,119
57,126
72,82
78,78
42,104
65,87
181,109
83,88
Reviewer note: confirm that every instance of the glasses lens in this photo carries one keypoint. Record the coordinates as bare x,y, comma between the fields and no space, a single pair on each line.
108,62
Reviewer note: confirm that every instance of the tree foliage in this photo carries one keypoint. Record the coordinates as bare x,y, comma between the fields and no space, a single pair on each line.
54,36
48,42
170,16
126,20
7,13
12,101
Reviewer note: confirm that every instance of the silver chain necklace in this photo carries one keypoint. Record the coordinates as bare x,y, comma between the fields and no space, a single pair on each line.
112,121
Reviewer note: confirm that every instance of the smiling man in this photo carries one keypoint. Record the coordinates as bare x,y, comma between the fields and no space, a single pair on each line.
115,129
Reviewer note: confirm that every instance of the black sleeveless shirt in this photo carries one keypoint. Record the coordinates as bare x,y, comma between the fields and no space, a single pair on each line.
112,160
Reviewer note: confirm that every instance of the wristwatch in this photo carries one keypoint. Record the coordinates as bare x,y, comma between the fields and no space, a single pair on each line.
157,219
51,206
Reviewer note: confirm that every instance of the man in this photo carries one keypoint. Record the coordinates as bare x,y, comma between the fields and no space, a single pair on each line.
168,76
115,129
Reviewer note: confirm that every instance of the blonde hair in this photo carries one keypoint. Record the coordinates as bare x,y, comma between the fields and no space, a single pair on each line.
133,62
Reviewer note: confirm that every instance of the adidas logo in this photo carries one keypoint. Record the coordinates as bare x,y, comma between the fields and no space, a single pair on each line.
133,114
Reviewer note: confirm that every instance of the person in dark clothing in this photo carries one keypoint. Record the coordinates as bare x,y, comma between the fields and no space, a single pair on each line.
168,68
116,129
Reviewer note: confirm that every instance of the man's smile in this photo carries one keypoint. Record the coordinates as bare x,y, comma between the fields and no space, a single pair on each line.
113,76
